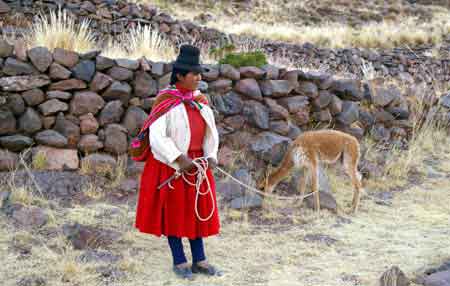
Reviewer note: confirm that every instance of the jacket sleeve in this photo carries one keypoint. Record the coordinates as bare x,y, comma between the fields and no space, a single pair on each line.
213,142
160,143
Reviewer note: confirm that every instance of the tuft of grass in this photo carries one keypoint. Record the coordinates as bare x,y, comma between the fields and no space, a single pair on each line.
243,59
59,30
39,161
140,41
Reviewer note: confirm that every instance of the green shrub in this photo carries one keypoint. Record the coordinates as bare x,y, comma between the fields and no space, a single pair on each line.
245,59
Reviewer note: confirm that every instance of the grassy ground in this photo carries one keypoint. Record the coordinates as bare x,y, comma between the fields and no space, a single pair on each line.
334,24
410,231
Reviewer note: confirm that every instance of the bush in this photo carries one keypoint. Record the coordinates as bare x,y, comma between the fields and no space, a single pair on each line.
254,59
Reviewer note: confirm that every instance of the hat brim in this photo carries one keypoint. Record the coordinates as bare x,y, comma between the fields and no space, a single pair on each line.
191,68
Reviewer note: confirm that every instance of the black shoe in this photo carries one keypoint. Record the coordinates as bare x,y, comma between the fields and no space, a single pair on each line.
208,270
183,272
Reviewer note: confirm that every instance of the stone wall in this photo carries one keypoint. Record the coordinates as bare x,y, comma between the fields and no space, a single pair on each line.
69,105
114,17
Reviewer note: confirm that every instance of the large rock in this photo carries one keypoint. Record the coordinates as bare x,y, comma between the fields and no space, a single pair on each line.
128,64
40,57
6,49
116,139
15,67
30,122
86,102
211,74
7,122
280,126
249,87
120,74
134,119
308,89
111,113
246,202
89,143
58,72
66,58
68,84
394,277
52,106
270,147
33,97
144,85
272,72
441,278
57,94
8,161
275,88
276,111
324,99
294,104
89,237
51,138
103,63
22,83
228,104
445,101
16,143
30,216
100,82
16,104
252,72
257,114
349,114
84,70
88,124
221,86
348,89
229,72
68,129
335,105
118,90
382,97
56,158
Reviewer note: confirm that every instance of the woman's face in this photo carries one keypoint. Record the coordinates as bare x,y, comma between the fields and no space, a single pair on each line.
189,81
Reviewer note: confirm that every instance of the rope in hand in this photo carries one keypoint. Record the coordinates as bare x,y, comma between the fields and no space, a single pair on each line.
201,165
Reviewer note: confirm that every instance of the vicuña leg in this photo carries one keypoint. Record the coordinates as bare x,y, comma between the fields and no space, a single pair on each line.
302,185
314,171
351,160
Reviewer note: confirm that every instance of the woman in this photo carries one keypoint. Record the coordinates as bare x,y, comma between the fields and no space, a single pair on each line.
174,206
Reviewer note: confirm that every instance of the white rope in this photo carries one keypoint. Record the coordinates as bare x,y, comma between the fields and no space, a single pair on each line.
250,188
201,165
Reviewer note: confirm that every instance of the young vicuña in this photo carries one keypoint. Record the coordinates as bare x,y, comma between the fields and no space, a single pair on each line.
310,149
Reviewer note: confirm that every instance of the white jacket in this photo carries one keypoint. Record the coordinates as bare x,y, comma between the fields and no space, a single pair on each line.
170,135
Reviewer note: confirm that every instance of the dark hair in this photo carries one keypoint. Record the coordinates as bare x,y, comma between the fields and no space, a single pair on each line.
175,72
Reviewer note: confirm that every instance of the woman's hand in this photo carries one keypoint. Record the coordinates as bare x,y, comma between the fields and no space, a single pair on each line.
212,163
185,163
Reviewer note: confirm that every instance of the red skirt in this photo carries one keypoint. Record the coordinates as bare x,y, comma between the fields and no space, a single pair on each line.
171,212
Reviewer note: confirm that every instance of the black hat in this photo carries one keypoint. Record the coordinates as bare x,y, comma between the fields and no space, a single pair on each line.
188,59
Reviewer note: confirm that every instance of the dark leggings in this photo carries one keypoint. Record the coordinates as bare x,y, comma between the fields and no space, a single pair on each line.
176,246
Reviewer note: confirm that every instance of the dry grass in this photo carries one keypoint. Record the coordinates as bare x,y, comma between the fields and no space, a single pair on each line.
387,34
141,41
59,30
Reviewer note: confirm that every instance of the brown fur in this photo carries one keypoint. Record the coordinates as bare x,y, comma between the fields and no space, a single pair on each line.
311,148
